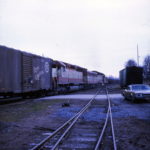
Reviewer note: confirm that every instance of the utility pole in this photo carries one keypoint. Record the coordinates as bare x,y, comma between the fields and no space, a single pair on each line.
137,55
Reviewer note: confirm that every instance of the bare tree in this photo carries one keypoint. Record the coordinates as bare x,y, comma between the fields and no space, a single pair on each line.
146,67
130,63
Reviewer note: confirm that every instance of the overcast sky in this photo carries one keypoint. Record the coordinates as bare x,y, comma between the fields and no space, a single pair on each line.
97,34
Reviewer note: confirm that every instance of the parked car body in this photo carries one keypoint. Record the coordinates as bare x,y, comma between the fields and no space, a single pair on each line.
136,92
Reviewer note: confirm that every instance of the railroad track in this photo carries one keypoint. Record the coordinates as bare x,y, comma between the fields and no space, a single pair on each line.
10,100
77,133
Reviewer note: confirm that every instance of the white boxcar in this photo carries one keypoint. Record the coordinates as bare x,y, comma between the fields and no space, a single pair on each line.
67,74
94,77
91,77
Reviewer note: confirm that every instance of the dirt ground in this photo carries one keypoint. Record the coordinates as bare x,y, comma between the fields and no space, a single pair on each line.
22,124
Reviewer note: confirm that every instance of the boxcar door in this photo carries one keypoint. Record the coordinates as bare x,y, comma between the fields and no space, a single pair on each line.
27,73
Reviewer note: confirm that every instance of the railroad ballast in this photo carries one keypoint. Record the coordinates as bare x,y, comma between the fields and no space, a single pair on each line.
26,74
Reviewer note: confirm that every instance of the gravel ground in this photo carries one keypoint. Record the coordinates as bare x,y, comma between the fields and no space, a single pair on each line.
22,124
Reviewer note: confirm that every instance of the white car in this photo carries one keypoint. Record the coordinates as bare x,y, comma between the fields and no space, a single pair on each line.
137,91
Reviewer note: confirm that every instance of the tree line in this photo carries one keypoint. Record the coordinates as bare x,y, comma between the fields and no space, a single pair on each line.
131,63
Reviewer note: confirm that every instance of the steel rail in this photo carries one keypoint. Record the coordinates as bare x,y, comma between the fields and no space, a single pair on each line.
39,145
102,132
74,121
112,126
54,133
109,114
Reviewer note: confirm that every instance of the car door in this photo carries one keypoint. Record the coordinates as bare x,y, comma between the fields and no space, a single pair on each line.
127,92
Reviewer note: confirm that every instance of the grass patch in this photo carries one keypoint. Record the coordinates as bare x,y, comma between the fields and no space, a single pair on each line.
14,113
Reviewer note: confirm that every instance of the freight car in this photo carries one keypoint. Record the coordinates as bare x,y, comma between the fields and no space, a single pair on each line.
26,74
131,75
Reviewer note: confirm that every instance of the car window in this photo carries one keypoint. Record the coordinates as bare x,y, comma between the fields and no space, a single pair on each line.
140,87
128,88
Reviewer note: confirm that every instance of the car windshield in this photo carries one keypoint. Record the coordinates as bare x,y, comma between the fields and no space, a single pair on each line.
140,87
